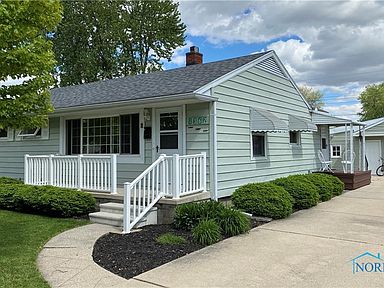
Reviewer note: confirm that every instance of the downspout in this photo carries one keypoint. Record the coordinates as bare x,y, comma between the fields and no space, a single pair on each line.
214,148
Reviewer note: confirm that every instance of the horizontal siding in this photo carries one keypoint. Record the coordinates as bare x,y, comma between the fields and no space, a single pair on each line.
375,131
12,152
197,140
260,89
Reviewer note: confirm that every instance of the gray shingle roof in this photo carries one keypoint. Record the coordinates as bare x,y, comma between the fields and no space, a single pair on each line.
151,85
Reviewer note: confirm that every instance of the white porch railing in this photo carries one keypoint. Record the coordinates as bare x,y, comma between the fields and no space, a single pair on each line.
172,176
89,172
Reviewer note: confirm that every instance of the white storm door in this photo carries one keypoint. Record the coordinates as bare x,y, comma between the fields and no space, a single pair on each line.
169,131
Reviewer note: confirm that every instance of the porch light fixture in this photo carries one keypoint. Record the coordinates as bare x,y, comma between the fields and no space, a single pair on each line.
147,115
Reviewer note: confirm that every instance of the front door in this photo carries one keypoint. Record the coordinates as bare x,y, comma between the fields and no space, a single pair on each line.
373,153
168,130
324,141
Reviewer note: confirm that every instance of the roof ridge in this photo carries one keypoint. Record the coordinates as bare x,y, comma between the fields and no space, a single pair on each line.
255,55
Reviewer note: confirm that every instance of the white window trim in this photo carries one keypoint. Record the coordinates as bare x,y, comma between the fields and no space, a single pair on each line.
258,158
9,135
299,139
332,147
121,158
20,134
33,137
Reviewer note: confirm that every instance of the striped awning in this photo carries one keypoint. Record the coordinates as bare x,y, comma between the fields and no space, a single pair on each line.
300,124
265,121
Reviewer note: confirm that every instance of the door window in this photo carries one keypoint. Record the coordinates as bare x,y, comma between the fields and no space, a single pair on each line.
169,125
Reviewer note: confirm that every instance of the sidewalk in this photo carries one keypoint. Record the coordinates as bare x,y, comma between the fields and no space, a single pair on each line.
312,248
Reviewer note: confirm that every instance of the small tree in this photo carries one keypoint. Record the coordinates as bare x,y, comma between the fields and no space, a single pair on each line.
372,101
26,55
314,97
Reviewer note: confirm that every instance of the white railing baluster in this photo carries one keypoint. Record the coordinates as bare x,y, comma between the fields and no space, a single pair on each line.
91,172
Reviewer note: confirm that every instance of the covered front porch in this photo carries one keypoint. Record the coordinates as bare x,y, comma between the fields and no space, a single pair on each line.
350,157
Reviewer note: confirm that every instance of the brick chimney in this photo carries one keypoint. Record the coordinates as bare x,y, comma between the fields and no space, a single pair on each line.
193,56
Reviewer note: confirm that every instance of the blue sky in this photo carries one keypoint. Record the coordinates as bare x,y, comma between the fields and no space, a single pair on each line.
333,46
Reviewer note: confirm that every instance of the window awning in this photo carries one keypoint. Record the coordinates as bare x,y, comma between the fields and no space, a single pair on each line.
300,124
265,121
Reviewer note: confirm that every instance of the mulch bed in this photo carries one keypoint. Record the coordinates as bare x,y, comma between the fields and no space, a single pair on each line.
135,253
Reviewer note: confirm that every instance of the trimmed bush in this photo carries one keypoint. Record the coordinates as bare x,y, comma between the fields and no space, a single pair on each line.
170,239
46,200
324,185
232,222
207,232
9,180
188,215
263,199
304,193
337,185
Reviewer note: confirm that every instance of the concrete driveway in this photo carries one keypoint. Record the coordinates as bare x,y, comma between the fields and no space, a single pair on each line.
312,248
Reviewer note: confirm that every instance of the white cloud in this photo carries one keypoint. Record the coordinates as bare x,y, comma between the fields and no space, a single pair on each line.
347,111
340,46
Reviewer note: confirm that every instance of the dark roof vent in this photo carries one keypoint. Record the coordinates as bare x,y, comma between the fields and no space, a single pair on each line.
193,56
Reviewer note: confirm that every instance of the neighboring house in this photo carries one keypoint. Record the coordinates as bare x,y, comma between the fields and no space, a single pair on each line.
239,120
374,134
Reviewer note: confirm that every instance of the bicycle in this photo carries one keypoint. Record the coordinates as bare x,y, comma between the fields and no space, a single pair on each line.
380,169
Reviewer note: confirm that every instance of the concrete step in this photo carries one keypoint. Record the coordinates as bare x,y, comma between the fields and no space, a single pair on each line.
112,214
111,207
106,218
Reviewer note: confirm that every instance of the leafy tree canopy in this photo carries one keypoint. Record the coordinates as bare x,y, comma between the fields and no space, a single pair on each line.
26,56
111,38
314,97
372,101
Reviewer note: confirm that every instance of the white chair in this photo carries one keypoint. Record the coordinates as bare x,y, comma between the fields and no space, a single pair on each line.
345,162
325,165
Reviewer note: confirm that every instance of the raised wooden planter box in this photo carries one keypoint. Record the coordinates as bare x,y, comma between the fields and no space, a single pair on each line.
353,180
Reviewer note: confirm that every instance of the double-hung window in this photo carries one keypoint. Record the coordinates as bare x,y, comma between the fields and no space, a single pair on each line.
106,135
258,145
336,151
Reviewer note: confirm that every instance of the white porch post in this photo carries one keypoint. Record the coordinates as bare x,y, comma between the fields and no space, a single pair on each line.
80,172
204,171
363,149
127,207
176,176
26,169
113,173
351,148
50,169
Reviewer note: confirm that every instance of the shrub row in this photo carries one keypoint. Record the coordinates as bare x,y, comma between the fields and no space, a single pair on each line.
278,198
210,221
45,200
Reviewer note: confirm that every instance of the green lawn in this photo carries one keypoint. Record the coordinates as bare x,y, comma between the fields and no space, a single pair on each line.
21,238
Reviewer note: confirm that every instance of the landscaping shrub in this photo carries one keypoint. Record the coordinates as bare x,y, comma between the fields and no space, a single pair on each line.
337,185
304,193
207,232
188,215
232,222
46,200
324,185
170,239
9,180
263,199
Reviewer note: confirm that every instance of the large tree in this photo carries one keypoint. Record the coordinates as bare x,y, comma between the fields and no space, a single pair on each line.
110,38
314,97
26,61
372,101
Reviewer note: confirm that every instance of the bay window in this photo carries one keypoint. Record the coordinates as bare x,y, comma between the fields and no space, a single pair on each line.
106,135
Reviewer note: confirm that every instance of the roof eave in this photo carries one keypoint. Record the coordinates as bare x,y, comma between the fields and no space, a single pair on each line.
149,100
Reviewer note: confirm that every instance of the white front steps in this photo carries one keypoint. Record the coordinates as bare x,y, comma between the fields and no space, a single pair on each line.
112,214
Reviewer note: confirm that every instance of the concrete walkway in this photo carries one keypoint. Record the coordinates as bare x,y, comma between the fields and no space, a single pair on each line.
312,248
